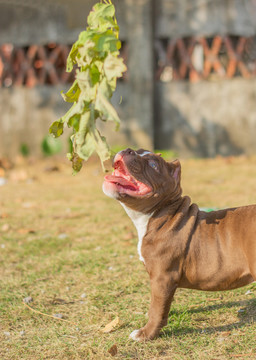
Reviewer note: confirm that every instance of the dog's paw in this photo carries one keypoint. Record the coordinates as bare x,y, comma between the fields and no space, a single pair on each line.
143,334
136,335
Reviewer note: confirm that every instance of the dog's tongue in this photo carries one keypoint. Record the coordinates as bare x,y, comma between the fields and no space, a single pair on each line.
121,181
118,179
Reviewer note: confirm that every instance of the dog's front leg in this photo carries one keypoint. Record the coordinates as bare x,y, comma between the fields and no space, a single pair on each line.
162,292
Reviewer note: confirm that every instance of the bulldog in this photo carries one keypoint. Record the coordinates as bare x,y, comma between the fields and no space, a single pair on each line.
180,246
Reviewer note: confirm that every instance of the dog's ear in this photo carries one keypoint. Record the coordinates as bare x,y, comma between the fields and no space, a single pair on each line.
175,170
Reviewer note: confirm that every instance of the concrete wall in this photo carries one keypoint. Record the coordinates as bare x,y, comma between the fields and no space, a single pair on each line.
207,118
202,18
24,22
26,115
202,119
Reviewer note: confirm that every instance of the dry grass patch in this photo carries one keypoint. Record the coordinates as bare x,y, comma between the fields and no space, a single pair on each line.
73,251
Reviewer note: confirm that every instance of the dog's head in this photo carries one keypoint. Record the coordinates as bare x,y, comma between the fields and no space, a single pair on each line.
143,180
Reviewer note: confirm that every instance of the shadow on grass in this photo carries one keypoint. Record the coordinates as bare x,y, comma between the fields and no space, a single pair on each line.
246,316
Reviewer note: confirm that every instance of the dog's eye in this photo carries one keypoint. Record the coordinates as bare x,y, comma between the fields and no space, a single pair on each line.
153,164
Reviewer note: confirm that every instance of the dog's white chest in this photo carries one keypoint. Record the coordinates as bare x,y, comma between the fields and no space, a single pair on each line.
140,221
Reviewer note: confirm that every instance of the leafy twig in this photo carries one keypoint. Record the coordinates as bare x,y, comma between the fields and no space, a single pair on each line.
96,55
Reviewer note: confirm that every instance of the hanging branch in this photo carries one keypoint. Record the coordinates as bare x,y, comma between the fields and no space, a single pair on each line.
96,55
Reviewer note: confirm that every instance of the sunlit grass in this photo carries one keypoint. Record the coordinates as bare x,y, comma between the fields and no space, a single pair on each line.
73,250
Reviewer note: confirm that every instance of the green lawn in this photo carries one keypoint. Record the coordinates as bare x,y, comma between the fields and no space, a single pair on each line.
73,250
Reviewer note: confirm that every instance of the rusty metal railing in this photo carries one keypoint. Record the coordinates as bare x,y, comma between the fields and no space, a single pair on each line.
192,59
36,65
200,58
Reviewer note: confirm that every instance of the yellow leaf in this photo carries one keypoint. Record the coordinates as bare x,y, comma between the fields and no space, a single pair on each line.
109,327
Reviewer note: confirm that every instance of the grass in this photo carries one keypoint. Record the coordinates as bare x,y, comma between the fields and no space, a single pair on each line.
73,250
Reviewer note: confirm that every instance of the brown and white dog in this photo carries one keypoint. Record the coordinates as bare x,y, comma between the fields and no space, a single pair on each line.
180,245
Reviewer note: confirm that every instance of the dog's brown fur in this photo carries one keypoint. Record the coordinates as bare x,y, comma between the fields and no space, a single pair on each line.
183,246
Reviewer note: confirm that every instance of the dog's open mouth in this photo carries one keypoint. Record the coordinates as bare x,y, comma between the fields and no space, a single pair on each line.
124,182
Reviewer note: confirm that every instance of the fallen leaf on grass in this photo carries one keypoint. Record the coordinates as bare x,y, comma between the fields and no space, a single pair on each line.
4,216
113,350
5,227
25,231
110,327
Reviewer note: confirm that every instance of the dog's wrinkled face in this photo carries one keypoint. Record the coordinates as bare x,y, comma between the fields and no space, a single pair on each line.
142,180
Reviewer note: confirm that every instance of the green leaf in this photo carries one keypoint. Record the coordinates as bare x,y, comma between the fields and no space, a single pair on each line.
56,128
72,57
77,162
86,150
101,146
106,108
85,82
76,109
80,136
107,87
50,145
106,41
114,67
102,17
86,52
88,139
94,74
72,94
74,122
71,60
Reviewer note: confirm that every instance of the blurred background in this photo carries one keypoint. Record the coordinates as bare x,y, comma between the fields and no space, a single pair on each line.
190,85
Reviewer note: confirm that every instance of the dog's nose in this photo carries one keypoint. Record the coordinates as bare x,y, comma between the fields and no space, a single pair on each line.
121,154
